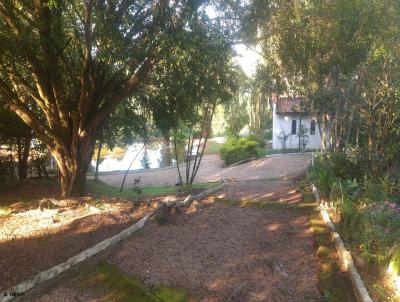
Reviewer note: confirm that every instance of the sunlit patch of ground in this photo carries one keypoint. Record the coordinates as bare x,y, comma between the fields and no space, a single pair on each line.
222,250
37,235
37,218
35,221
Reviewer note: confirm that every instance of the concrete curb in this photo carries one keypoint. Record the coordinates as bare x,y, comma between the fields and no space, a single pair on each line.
269,155
242,161
290,153
344,255
189,199
101,246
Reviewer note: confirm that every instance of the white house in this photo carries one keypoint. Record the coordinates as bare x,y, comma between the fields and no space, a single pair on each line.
288,115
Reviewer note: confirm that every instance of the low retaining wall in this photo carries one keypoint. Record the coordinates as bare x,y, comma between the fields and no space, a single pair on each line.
204,193
268,155
243,161
101,246
289,153
344,255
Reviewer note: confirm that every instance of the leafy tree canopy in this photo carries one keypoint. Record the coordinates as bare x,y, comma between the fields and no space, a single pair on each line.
66,66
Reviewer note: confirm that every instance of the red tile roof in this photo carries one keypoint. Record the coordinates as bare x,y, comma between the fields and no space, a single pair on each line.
289,105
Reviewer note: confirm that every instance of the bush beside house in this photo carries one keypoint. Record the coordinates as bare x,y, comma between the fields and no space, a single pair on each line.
235,150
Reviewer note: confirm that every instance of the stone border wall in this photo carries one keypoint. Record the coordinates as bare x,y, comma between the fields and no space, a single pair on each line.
344,255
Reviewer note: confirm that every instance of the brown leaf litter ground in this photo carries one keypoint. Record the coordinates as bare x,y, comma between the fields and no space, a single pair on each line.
248,242
251,241
42,233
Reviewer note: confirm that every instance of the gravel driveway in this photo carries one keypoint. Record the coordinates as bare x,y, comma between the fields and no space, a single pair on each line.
212,169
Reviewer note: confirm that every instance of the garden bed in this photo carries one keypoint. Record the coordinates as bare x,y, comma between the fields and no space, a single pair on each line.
379,284
367,216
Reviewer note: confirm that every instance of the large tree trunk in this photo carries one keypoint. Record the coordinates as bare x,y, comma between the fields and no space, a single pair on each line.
61,87
300,135
73,165
321,133
96,173
23,148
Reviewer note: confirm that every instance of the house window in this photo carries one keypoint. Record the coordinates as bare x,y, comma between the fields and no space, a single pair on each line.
312,127
294,126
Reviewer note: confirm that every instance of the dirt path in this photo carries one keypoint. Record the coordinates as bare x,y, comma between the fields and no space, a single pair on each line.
224,251
212,169
245,243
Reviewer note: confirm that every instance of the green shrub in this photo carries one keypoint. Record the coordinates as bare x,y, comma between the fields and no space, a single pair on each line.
255,138
375,192
334,170
343,167
374,229
394,265
268,134
321,174
235,150
370,220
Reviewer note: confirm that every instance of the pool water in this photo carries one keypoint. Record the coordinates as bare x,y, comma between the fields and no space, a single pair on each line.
154,155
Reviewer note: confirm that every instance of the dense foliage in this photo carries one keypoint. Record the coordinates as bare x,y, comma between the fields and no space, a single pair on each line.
343,56
66,66
369,209
235,150
15,143
250,109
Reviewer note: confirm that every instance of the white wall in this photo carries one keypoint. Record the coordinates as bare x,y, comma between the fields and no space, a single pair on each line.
282,123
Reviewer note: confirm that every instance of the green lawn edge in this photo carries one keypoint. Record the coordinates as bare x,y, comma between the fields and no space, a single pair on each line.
108,282
99,188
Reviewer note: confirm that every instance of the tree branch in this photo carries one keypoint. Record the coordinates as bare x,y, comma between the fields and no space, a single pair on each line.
122,93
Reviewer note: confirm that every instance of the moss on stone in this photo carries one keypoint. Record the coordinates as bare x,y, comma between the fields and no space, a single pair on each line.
109,283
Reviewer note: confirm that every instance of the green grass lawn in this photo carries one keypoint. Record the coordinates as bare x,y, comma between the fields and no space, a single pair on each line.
102,189
212,147
110,283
